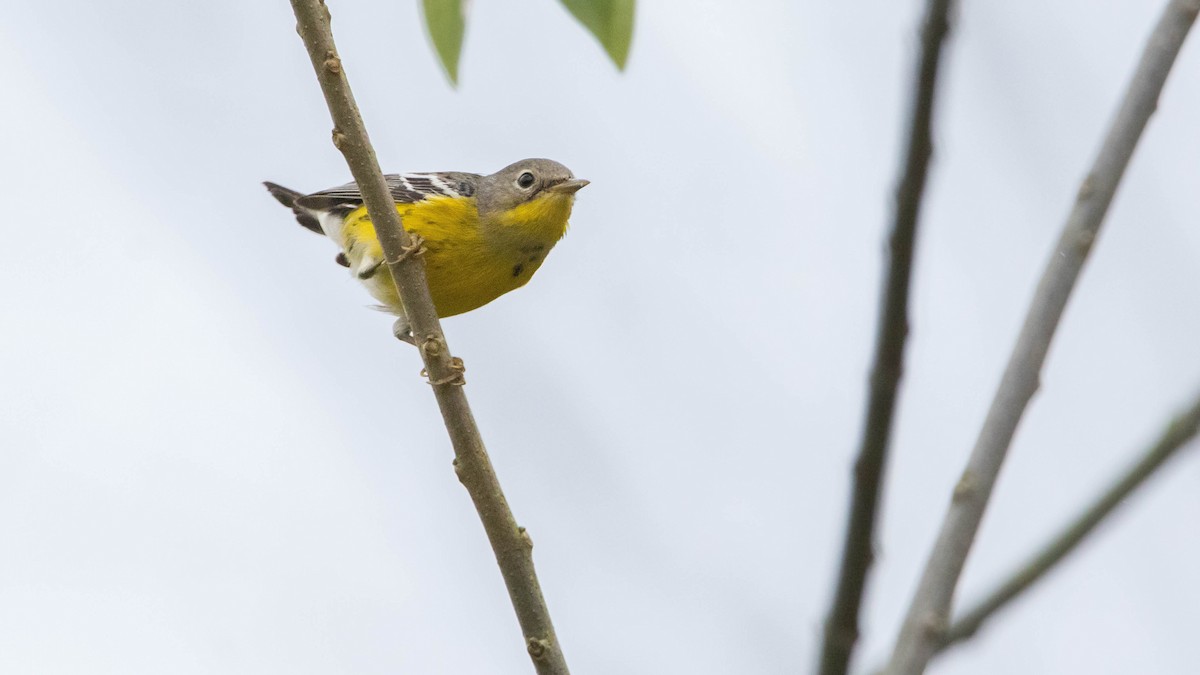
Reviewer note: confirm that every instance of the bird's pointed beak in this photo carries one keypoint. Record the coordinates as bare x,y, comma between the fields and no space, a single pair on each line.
570,186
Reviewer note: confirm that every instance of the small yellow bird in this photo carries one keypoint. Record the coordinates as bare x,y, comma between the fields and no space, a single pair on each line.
483,235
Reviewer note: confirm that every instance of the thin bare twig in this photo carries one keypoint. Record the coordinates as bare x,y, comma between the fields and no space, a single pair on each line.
1177,435
928,614
841,625
511,544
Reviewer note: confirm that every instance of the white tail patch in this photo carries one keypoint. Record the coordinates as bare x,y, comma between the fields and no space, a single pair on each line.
368,267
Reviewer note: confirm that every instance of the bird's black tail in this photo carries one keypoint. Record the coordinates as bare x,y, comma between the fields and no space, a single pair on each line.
288,198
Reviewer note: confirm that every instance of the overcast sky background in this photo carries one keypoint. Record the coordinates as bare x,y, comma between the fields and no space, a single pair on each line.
215,460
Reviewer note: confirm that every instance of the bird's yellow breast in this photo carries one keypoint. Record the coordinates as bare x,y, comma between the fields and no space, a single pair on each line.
468,262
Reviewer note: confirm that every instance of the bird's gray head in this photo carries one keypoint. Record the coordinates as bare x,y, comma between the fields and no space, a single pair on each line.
526,181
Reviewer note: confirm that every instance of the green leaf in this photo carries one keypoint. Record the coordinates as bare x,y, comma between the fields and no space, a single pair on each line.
611,21
446,22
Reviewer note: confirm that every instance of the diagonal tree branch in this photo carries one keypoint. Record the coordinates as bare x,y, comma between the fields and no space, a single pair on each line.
928,614
1178,434
511,544
841,625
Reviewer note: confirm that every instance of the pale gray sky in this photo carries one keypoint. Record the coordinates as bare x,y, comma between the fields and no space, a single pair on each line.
215,460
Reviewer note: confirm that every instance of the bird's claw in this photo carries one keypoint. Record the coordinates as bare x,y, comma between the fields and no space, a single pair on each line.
416,246
457,369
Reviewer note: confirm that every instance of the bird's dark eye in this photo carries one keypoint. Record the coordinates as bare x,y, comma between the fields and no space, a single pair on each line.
525,180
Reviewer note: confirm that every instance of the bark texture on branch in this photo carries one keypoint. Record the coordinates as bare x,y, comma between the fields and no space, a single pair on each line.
511,544
841,624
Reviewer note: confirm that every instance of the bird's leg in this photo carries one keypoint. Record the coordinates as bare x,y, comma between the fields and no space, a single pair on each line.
403,331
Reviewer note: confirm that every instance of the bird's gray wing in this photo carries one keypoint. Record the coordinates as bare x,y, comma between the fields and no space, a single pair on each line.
407,188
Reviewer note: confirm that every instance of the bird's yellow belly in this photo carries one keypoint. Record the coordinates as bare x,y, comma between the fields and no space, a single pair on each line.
459,281
464,269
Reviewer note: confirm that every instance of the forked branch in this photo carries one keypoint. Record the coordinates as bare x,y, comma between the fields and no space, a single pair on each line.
928,615
1178,435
